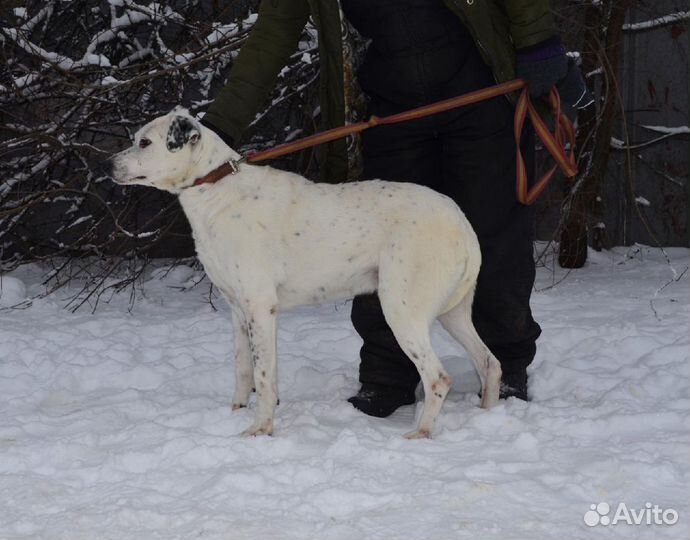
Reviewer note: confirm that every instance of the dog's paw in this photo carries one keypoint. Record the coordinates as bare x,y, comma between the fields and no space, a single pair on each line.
262,429
489,398
238,406
418,434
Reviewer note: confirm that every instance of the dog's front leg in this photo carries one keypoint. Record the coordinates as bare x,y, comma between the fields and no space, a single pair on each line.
244,368
260,318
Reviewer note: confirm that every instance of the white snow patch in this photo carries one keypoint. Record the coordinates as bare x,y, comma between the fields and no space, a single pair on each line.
12,291
671,18
117,425
678,130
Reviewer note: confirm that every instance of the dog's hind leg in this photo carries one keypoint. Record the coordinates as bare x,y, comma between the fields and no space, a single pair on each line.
244,368
414,339
409,313
260,317
458,323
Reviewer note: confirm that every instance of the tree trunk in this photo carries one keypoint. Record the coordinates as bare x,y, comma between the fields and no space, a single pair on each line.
603,44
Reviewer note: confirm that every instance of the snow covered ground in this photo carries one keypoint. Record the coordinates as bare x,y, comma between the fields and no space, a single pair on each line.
117,425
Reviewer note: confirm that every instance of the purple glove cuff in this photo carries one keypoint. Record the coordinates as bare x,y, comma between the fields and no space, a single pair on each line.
549,48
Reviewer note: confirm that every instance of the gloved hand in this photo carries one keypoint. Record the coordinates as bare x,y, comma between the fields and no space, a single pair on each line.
545,65
542,65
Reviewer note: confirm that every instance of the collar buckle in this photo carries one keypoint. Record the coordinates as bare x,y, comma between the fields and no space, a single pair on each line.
235,164
230,167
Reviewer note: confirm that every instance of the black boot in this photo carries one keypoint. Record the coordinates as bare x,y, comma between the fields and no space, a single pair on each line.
381,400
514,384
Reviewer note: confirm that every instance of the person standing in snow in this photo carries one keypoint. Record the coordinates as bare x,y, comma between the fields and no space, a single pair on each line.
419,52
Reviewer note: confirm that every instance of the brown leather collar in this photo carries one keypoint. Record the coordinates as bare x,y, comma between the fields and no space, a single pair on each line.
220,172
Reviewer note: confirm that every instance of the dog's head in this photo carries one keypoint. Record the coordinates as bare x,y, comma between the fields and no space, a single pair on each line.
163,154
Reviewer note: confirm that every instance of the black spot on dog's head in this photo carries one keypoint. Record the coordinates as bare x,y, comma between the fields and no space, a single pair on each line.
182,130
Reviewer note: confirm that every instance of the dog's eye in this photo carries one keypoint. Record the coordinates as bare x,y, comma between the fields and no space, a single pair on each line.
143,143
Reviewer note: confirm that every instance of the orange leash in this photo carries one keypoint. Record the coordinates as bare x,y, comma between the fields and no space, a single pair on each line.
554,143
564,133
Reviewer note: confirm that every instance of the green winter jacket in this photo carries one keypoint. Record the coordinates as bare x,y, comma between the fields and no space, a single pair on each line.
499,27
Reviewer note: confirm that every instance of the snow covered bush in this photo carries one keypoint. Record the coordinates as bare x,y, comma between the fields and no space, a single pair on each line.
80,77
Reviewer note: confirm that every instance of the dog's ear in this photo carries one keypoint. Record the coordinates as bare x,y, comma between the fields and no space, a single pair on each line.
183,130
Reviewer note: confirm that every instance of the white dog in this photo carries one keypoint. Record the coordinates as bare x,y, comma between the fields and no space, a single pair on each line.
270,239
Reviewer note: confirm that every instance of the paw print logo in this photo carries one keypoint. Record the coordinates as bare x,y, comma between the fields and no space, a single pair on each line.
597,515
